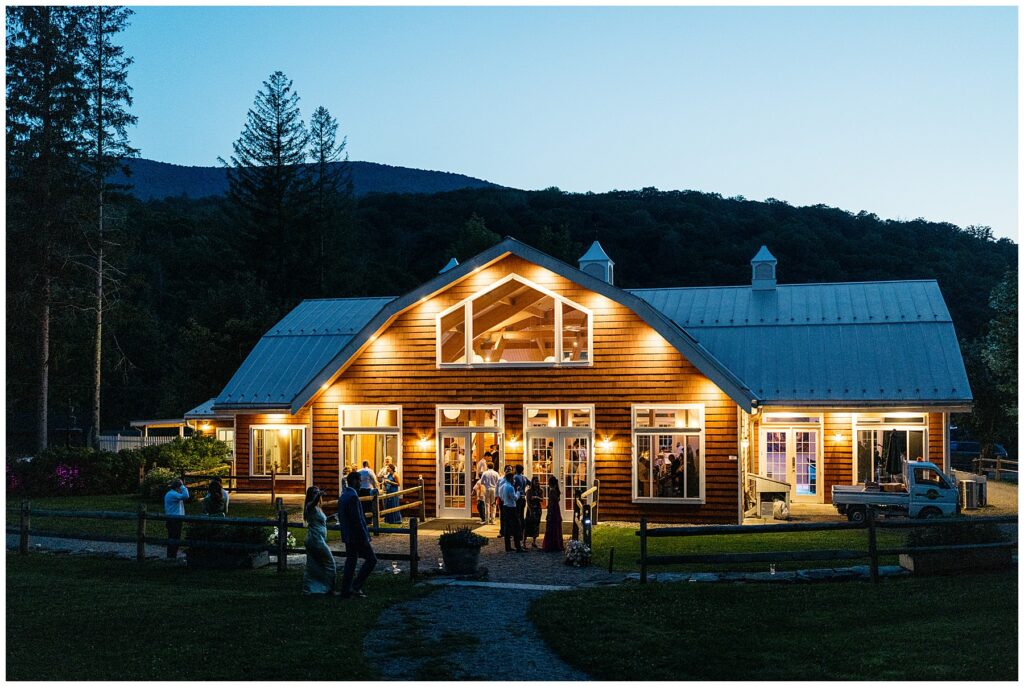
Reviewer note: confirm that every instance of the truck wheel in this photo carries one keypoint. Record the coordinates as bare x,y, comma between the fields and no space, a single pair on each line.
857,514
929,513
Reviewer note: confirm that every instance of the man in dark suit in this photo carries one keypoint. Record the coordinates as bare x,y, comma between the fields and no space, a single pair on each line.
356,538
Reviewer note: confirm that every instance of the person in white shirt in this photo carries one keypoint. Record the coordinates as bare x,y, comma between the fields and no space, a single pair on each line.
481,466
490,481
368,484
384,470
174,504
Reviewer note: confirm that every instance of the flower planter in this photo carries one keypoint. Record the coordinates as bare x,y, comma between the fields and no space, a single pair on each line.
939,562
461,560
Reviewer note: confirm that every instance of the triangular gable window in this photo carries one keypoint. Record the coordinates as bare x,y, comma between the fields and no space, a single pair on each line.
515,322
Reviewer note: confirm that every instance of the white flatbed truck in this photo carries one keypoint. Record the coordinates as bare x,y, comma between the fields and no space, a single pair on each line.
926,492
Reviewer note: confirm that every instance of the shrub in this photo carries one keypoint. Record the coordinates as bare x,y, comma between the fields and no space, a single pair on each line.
73,471
461,538
195,454
155,483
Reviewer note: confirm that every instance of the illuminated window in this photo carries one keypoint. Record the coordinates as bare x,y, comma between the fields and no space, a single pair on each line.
278,447
514,322
668,453
371,435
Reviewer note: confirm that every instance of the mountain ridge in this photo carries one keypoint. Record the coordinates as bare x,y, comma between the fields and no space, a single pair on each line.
154,180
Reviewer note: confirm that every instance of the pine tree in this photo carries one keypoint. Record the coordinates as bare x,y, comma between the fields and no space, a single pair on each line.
105,78
268,185
332,188
45,104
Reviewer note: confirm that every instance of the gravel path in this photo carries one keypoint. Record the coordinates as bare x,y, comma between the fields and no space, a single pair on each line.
463,633
90,548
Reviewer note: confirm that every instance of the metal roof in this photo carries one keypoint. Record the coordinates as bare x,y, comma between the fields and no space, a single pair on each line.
596,253
845,343
295,349
203,410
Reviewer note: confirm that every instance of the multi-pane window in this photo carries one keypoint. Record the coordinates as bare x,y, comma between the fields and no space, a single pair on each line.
514,322
279,448
886,443
228,437
371,435
668,448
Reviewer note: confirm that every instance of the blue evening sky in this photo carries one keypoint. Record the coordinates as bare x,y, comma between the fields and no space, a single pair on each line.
905,112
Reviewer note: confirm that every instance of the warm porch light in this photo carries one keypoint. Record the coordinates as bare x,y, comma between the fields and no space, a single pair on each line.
606,443
424,442
513,441
205,427
837,437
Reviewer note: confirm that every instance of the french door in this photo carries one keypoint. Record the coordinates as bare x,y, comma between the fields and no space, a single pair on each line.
459,450
793,455
565,453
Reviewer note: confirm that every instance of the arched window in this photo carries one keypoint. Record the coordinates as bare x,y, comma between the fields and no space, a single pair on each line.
514,322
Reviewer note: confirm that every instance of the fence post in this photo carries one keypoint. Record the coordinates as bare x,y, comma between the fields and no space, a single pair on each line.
140,535
576,514
26,522
282,537
999,465
376,513
423,500
142,476
273,484
872,544
643,549
596,501
586,524
414,548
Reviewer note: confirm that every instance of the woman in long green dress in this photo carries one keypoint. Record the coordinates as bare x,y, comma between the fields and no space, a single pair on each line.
321,573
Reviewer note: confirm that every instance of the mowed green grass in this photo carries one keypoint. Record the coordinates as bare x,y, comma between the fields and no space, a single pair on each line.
71,618
948,628
627,548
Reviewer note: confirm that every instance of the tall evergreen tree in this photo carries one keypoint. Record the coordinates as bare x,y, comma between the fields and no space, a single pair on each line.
268,185
105,79
332,188
45,103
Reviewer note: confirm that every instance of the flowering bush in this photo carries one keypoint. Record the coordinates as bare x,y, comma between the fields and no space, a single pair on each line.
272,539
577,553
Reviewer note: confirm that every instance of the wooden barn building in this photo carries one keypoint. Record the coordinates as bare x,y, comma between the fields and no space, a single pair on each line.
685,403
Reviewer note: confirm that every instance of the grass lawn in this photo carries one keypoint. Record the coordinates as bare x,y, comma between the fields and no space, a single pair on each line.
941,628
627,547
71,618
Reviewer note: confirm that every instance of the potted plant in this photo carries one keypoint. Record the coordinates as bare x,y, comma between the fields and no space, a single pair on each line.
952,560
460,548
577,554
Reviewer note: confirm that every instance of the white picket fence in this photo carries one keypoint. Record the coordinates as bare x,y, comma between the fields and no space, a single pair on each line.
118,442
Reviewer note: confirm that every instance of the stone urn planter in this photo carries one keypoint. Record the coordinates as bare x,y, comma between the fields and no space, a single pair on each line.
460,549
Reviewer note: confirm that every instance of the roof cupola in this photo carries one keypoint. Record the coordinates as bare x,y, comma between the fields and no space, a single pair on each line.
596,263
763,270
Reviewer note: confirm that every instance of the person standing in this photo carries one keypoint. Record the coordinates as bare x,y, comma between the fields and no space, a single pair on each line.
481,466
321,573
534,504
520,482
480,492
356,538
490,481
553,525
368,484
392,484
214,502
174,504
509,520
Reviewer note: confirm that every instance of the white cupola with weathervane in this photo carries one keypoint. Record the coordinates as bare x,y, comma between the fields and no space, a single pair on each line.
763,270
596,263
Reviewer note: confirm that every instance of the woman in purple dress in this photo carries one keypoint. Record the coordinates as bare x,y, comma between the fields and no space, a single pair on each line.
553,525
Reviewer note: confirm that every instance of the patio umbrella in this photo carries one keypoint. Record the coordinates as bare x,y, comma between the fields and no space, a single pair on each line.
893,459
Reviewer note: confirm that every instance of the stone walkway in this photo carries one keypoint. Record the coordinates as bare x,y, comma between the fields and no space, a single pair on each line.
464,633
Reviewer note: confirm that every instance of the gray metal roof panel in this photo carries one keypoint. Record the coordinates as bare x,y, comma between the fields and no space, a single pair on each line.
296,349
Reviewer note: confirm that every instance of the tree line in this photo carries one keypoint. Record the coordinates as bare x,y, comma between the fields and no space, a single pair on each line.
145,309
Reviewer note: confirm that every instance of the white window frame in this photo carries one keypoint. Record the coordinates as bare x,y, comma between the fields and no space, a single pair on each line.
527,407
344,431
467,305
794,422
499,416
881,424
654,431
277,427
217,433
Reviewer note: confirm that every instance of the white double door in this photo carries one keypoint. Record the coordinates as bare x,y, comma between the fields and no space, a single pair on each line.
568,454
459,451
793,455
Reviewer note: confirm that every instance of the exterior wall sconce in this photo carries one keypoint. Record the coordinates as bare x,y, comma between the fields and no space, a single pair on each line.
606,444
837,437
513,442
424,442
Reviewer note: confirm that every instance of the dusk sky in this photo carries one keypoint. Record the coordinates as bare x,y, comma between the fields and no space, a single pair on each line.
904,112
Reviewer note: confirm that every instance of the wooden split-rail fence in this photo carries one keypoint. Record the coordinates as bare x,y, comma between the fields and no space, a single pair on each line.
872,553
281,523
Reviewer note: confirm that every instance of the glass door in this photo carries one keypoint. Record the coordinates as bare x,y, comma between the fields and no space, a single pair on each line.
564,453
540,461
575,467
452,475
792,455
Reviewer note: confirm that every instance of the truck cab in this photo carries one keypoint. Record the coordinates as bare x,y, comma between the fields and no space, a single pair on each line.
924,492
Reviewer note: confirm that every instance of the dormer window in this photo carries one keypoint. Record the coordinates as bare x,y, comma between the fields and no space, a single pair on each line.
517,323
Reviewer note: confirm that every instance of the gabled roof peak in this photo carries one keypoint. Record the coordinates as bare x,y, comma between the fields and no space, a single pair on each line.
764,255
595,252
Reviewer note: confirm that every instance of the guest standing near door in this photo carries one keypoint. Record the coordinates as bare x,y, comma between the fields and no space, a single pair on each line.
553,525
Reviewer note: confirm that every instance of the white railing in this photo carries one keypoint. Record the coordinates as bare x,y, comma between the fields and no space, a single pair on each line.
118,442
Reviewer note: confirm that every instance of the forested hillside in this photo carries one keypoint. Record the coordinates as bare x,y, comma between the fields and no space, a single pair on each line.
191,304
152,180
